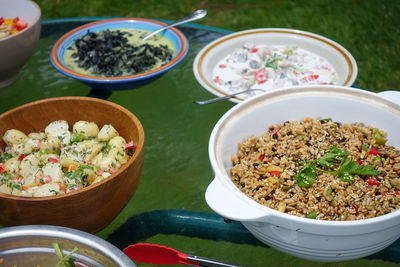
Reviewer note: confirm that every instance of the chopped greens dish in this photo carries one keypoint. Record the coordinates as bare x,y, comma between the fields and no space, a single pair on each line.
110,53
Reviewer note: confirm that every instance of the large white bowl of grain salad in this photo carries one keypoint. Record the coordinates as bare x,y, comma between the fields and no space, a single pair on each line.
312,171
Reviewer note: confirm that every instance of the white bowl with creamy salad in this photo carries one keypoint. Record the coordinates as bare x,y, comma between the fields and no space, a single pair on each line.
269,59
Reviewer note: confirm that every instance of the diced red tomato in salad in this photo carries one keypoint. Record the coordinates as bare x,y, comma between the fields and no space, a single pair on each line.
275,131
373,151
274,173
372,181
53,160
129,146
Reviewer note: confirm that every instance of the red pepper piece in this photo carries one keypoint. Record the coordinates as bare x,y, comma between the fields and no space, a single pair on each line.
275,131
46,179
62,187
222,66
21,158
383,193
18,180
261,157
1,20
373,151
372,181
21,24
70,189
261,76
253,50
360,162
53,160
354,209
275,173
129,146
1,168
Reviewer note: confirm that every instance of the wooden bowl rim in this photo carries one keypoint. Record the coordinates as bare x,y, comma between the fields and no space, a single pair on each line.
138,151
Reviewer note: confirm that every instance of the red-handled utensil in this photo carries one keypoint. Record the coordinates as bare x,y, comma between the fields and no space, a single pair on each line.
157,254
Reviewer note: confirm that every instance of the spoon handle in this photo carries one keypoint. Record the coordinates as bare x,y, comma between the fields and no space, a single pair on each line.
206,262
198,14
212,100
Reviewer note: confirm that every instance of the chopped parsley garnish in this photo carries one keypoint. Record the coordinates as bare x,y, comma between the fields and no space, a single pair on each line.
336,159
272,62
75,138
5,156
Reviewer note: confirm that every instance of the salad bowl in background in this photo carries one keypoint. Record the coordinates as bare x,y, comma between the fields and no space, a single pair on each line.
16,49
91,208
206,60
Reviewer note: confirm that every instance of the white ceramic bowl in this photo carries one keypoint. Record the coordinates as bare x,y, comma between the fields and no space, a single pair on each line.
205,61
305,238
16,49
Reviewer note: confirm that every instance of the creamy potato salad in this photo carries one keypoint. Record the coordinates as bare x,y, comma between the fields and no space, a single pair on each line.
271,67
58,161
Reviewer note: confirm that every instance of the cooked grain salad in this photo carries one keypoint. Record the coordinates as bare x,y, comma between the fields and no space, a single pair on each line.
320,169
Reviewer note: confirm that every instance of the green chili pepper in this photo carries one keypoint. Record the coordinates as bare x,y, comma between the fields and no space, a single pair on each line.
379,138
364,147
312,215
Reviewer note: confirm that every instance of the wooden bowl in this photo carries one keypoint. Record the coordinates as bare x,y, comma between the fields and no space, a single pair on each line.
89,209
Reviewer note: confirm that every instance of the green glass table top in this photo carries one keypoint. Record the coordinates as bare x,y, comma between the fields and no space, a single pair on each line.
169,207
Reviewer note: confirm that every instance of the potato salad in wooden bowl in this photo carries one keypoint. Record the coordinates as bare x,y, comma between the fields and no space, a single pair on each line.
57,160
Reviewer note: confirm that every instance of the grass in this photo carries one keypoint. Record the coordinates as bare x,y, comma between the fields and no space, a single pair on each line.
369,29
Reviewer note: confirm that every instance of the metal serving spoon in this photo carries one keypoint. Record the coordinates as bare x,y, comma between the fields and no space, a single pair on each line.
212,100
198,14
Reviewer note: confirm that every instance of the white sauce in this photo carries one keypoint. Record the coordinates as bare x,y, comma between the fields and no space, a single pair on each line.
271,67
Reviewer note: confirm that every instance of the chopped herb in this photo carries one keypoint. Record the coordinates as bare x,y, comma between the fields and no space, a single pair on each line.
106,148
75,138
70,175
85,167
364,147
336,157
272,62
5,156
66,260
306,175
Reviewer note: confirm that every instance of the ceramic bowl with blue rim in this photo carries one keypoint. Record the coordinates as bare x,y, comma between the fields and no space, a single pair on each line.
62,59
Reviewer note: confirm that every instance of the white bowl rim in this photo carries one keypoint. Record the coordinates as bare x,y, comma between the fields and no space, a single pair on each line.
265,211
204,52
